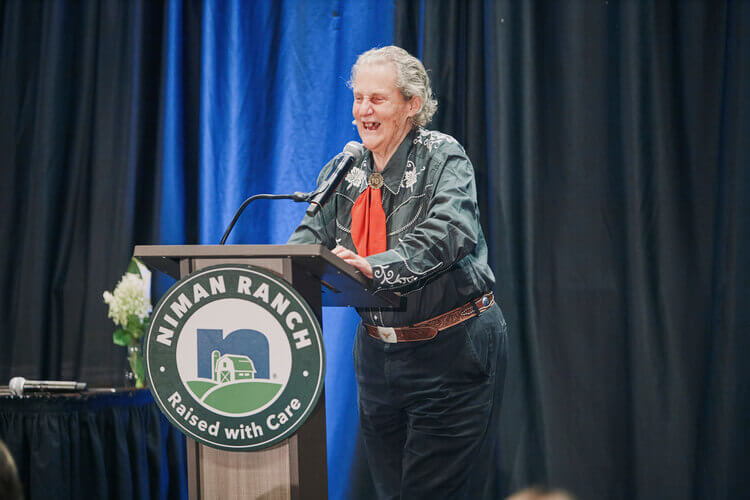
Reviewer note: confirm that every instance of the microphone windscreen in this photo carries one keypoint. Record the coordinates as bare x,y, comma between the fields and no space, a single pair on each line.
355,149
16,385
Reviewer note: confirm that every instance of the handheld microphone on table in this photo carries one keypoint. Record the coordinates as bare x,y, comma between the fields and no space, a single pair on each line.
19,385
352,152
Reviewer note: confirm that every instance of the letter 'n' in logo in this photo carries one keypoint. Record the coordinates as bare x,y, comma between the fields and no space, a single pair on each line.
234,375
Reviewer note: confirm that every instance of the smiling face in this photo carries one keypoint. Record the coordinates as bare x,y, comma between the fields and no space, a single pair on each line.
380,110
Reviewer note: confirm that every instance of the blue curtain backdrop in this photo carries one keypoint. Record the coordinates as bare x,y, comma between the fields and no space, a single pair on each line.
262,91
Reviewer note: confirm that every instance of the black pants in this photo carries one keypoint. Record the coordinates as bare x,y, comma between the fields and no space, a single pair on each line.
429,410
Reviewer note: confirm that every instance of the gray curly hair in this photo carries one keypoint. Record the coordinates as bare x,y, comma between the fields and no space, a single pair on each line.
411,78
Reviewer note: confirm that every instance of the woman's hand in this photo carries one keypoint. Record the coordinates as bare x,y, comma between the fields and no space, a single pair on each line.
355,260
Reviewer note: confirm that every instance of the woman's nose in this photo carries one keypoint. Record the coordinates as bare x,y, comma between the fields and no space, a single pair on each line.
365,107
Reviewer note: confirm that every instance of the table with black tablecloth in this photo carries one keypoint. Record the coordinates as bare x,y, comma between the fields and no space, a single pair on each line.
95,445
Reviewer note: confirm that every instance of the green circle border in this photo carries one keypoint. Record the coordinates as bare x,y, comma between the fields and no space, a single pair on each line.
315,333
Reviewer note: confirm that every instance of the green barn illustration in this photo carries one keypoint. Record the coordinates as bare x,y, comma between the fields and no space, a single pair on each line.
231,367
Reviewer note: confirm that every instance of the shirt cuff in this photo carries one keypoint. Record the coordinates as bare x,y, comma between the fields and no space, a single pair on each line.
390,270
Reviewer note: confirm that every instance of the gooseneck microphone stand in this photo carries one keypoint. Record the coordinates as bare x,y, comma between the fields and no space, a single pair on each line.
317,198
296,196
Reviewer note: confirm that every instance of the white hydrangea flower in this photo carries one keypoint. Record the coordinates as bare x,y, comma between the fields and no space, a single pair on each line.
130,297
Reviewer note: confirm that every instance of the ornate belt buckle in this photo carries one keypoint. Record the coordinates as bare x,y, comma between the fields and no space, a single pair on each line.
387,334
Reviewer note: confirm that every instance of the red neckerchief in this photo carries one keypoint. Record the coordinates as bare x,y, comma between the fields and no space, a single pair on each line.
368,223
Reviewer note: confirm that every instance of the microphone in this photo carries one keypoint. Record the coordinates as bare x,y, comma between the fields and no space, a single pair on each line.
19,385
352,152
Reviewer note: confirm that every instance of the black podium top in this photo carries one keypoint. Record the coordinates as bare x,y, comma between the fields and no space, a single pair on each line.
342,284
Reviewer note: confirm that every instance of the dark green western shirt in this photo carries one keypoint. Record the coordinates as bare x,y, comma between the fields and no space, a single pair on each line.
437,255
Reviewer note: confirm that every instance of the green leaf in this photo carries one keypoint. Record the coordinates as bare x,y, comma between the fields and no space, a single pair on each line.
133,267
121,337
133,324
143,328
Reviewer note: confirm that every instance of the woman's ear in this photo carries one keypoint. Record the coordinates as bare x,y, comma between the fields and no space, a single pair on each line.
415,104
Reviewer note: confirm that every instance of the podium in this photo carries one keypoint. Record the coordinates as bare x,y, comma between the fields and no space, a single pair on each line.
297,467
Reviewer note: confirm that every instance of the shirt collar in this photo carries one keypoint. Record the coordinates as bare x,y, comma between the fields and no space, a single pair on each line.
394,169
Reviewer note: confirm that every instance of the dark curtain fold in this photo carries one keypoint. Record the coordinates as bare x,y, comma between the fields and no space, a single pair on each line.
610,140
79,115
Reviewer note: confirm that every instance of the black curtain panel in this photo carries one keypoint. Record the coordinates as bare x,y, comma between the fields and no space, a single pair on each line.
79,114
611,143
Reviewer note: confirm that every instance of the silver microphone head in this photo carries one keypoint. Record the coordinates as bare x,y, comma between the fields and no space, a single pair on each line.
355,149
16,385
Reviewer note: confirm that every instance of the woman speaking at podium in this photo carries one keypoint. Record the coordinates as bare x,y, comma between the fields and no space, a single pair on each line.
429,375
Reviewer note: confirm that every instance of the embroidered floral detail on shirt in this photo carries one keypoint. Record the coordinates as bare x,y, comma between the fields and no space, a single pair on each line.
390,277
410,176
356,177
432,139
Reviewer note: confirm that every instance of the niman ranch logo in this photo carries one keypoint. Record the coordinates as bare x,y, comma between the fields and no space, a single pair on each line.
234,357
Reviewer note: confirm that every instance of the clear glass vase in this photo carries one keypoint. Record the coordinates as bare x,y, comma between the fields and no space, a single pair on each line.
136,374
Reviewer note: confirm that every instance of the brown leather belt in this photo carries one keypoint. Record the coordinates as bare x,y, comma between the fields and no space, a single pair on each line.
426,330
